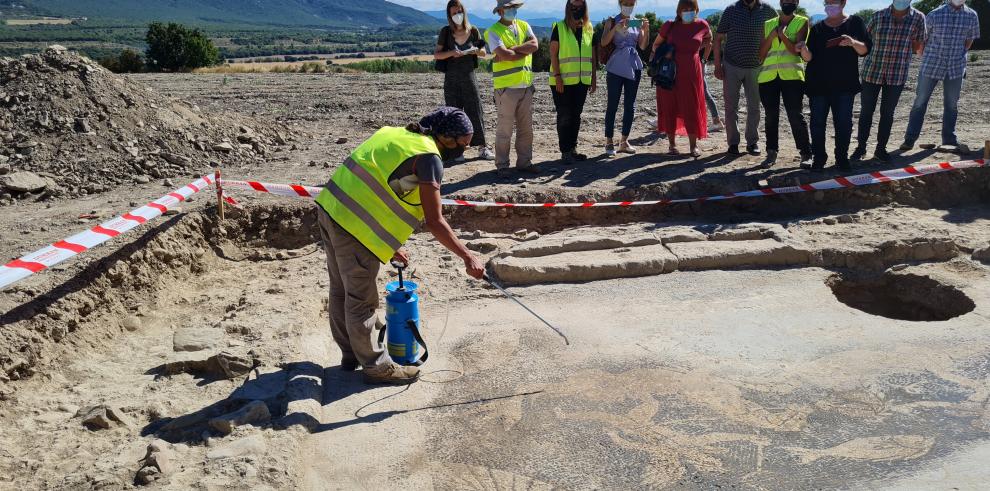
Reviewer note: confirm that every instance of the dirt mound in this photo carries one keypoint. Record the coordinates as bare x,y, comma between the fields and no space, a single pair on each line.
70,127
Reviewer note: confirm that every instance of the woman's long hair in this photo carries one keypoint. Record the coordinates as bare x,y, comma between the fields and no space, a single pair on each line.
465,24
567,13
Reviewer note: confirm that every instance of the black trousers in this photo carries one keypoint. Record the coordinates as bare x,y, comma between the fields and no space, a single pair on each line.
569,106
888,103
792,92
460,90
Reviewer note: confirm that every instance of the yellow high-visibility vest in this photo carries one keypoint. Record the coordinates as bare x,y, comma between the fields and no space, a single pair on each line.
511,73
575,59
780,62
359,199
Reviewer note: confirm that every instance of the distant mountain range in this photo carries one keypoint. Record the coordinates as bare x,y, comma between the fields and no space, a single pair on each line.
297,13
483,22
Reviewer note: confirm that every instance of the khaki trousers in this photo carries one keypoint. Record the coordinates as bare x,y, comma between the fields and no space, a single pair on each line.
353,295
515,109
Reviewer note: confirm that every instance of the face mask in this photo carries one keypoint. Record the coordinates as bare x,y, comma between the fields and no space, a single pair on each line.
457,18
790,8
578,12
833,10
627,11
510,14
447,153
688,17
957,3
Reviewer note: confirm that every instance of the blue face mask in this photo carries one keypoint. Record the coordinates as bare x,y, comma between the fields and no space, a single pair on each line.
688,17
510,14
902,4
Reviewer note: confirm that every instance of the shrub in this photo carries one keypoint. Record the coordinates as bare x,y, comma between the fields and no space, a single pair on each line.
128,61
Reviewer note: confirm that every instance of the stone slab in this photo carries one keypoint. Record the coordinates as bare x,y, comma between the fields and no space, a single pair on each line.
725,254
555,244
585,266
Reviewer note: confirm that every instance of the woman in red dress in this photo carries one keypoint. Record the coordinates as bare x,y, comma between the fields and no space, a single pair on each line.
682,109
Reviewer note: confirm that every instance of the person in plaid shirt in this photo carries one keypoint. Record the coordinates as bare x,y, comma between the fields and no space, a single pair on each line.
952,28
898,31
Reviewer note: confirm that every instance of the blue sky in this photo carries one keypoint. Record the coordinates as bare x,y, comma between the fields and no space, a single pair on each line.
555,7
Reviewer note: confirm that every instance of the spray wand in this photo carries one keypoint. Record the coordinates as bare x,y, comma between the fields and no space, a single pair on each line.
516,300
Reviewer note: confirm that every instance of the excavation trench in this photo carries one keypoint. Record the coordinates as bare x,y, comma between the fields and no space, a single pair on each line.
944,190
258,283
174,253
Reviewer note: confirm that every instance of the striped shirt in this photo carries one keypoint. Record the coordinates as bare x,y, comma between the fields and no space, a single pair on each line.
893,39
948,31
743,29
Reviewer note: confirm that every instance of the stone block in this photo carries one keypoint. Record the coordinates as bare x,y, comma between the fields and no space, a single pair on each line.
736,254
585,266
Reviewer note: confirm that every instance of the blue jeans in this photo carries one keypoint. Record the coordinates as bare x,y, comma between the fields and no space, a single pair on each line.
712,107
950,110
841,106
616,84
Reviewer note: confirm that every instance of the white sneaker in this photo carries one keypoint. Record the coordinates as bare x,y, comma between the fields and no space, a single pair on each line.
486,154
716,128
610,150
625,147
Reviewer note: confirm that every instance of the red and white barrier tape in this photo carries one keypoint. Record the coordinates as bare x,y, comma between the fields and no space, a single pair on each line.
47,257
297,191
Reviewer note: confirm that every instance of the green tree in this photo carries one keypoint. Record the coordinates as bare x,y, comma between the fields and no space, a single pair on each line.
865,14
173,47
541,59
714,19
926,6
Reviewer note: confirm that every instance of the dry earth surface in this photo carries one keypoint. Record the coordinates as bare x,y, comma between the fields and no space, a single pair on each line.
822,340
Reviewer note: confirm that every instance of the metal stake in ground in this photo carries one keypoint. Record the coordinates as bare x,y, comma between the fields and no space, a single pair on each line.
516,300
216,180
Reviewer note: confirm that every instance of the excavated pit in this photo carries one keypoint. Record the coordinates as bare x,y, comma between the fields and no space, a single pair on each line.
906,297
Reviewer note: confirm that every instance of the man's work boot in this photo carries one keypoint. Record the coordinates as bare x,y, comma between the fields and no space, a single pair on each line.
391,373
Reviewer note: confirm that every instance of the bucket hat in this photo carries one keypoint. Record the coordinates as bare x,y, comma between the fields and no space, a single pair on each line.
506,4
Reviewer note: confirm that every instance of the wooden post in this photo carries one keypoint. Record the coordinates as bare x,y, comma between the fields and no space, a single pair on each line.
216,179
986,153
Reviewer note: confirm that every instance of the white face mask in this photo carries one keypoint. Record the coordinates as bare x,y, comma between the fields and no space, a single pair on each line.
457,18
627,11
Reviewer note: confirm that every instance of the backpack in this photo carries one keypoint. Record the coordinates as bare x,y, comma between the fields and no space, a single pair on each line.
663,70
605,52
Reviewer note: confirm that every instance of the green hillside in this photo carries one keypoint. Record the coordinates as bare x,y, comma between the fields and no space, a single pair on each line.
300,13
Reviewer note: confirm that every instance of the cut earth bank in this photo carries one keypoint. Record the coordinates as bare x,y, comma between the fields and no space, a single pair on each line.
756,355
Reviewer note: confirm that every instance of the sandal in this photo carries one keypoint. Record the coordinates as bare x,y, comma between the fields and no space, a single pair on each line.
673,151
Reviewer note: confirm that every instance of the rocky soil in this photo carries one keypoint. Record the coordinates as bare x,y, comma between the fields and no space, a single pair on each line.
71,128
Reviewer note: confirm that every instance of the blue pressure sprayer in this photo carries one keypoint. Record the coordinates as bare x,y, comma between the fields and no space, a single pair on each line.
405,343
